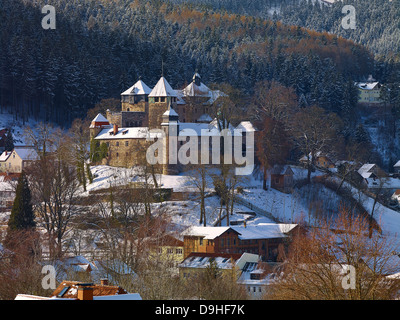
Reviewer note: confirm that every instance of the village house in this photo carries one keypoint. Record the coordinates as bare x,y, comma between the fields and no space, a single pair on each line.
282,178
175,113
396,167
264,239
322,160
256,277
16,160
369,92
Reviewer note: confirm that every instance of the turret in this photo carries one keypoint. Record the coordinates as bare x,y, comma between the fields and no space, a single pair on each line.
160,98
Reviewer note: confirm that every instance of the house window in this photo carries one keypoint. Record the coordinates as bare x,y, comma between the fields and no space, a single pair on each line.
178,251
117,154
170,251
201,241
156,99
117,144
126,143
222,242
162,99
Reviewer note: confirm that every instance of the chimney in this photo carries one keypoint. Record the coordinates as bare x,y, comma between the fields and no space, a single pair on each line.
115,131
244,223
104,282
85,291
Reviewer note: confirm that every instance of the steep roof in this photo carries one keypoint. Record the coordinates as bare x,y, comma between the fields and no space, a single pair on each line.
139,88
163,89
397,164
100,118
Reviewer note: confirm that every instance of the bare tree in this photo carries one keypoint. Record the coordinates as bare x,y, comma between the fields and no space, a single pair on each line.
314,131
338,260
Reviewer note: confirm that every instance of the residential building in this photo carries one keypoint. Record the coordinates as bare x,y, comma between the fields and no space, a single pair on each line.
264,239
16,160
369,92
282,178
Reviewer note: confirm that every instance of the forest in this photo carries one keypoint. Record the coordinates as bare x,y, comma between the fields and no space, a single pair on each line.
100,48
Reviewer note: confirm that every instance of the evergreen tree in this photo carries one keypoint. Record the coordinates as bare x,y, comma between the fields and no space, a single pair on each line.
9,140
22,216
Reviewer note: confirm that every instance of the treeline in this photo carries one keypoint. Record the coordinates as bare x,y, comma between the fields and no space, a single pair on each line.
377,21
100,48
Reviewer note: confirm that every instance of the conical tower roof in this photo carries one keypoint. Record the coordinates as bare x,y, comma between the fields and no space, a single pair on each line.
162,89
139,88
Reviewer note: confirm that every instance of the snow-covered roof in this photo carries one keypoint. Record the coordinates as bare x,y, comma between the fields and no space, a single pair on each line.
365,170
162,89
26,153
201,261
209,233
139,88
246,126
170,112
367,85
193,90
264,231
397,164
127,133
4,156
100,118
259,231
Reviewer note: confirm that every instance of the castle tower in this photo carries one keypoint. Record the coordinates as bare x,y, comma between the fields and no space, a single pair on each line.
160,98
97,124
135,98
170,126
134,103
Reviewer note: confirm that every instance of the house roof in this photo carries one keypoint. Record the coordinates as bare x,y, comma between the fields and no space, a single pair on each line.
282,170
209,233
127,133
202,260
367,85
5,155
162,89
246,126
397,164
26,153
264,231
139,88
365,170
100,118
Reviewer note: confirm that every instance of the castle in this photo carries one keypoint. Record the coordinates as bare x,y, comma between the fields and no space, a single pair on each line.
178,113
